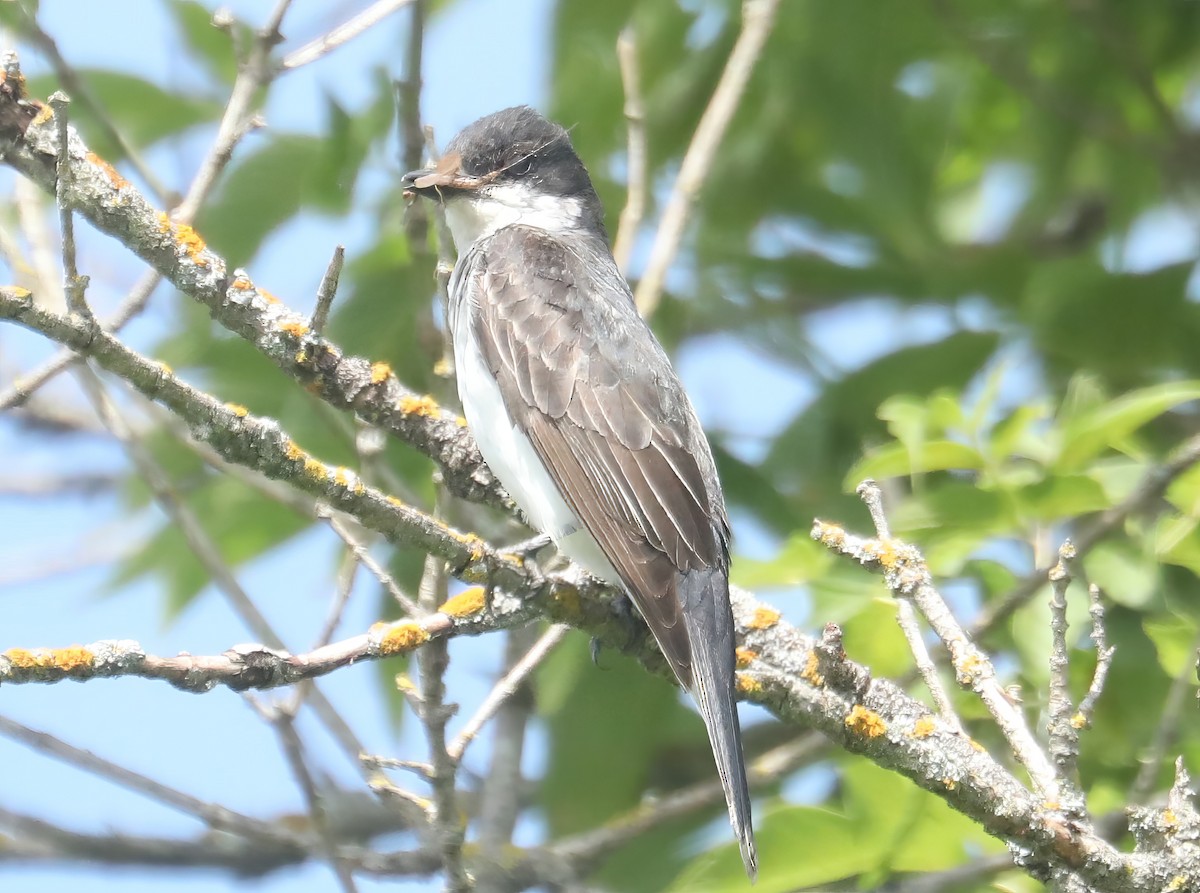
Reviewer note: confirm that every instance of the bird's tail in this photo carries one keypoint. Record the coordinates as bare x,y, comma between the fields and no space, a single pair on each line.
709,620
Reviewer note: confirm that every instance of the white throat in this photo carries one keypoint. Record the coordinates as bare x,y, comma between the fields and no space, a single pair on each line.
474,216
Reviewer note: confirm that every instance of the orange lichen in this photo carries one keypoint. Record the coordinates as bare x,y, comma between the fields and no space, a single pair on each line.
402,638
242,283
764,618
461,421
865,722
380,372
1079,721
887,554
828,534
812,670
238,410
21,294
71,658
44,115
295,328
165,369
950,783
397,502
108,170
268,297
968,669
292,450
188,239
164,222
923,727
473,543
23,659
302,358
443,368
470,601
748,686
313,468
745,657
411,404
343,476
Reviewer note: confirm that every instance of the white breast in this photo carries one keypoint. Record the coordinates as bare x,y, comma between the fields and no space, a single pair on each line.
512,458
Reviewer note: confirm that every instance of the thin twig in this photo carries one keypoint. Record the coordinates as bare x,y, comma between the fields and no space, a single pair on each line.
906,616
1164,733
343,33
211,814
635,153
433,660
1064,736
500,798
906,574
206,550
363,556
76,87
1143,497
293,749
588,849
233,126
238,118
1104,658
74,285
506,687
408,119
328,290
758,17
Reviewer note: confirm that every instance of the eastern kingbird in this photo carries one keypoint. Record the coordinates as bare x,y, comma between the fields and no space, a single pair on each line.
577,410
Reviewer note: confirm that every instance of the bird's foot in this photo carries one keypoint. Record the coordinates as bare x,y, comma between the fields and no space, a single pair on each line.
527,550
622,607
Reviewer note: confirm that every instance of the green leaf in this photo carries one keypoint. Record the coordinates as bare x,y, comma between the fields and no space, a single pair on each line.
1127,575
264,189
901,460
1061,496
799,560
142,112
1108,425
208,43
613,716
832,845
1175,641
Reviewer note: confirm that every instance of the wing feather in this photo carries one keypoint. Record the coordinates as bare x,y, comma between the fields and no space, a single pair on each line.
599,402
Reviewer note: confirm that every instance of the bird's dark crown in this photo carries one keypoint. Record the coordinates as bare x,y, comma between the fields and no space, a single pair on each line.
518,145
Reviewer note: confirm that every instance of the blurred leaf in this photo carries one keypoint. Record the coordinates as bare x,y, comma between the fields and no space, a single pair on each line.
799,560
209,44
897,460
1175,639
141,111
1109,424
241,523
610,716
832,846
1127,576
264,189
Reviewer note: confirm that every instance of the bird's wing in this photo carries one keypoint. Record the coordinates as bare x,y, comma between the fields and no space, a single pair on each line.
596,396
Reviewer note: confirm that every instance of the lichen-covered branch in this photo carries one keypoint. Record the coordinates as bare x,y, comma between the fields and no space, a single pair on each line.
116,207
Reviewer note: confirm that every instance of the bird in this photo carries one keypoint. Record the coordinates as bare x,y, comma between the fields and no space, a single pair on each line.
577,409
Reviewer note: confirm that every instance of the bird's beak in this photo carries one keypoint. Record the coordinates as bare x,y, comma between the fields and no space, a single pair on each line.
435,182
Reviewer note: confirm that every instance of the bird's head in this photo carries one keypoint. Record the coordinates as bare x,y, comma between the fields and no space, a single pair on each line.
510,167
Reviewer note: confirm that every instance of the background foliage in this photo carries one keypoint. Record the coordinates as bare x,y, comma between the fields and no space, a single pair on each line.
949,245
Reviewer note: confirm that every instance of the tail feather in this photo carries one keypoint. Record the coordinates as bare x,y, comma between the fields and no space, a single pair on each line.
709,620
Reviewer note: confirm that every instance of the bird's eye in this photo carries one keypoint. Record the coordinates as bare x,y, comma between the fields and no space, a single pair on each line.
521,168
